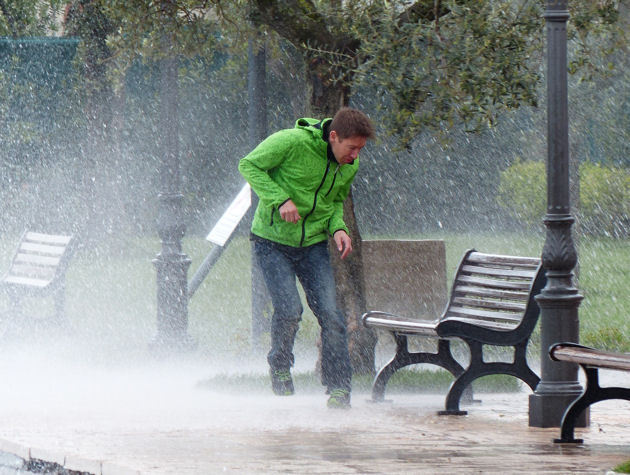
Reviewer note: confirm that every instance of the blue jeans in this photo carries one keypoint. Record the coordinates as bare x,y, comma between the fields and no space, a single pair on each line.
280,266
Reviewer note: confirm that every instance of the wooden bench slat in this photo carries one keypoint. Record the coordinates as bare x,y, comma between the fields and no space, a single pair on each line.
400,324
29,268
42,248
27,281
491,293
489,324
37,259
33,271
499,272
495,284
592,357
491,304
479,257
483,314
48,238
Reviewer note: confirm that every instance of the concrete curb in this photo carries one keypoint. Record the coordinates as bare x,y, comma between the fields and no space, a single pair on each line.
38,460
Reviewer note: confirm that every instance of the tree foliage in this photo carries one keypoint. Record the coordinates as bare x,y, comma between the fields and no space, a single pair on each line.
439,64
470,61
28,17
604,196
605,199
464,66
522,191
152,30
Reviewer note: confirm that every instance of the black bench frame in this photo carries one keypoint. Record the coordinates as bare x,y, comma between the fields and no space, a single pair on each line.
590,360
491,303
38,268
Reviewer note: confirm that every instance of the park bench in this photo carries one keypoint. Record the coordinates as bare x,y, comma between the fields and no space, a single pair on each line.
591,360
38,268
491,303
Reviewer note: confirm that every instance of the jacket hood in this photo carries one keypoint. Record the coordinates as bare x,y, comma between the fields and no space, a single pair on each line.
315,126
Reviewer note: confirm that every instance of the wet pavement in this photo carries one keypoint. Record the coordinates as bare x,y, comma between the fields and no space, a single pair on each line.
156,419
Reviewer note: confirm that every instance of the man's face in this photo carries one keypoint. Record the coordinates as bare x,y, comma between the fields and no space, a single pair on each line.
346,150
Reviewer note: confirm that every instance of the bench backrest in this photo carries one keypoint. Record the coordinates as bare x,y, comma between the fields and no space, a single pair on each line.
494,293
39,260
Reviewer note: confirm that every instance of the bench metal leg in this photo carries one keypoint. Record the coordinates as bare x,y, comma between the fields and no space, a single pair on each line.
479,368
403,357
60,301
592,394
16,302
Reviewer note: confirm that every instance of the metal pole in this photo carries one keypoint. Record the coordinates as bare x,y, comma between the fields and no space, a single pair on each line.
204,269
559,300
171,263
257,112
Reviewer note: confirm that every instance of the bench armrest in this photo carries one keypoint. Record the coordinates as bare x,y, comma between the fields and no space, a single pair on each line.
584,355
398,324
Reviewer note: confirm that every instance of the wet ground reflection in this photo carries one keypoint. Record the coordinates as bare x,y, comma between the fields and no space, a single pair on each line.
155,419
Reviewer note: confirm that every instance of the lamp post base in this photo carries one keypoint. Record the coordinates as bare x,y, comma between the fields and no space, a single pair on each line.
172,303
546,410
162,346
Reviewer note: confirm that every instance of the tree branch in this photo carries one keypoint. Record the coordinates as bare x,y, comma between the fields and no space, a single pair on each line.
300,22
8,17
423,10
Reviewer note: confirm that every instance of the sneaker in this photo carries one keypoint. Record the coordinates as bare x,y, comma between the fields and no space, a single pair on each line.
339,399
281,382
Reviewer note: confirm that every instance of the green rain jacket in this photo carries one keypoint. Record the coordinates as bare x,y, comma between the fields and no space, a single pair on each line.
296,164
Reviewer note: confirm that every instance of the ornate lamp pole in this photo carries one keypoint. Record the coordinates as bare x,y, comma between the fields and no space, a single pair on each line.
559,300
171,264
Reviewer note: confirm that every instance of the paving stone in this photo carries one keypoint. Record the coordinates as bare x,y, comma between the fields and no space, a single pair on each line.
157,420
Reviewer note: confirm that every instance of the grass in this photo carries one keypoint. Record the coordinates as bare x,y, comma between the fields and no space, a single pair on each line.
622,468
403,381
111,293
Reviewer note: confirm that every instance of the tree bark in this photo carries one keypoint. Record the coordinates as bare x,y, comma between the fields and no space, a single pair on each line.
327,96
349,275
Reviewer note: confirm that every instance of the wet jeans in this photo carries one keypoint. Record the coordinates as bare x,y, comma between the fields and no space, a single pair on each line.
280,266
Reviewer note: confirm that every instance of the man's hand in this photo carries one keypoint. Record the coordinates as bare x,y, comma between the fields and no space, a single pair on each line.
289,212
344,243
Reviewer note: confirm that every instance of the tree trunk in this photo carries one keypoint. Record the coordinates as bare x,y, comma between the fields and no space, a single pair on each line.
349,276
327,96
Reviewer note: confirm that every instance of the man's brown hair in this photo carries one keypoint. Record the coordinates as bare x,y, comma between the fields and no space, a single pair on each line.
349,122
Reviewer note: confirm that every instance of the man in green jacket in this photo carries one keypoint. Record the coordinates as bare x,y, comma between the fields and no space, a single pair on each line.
302,176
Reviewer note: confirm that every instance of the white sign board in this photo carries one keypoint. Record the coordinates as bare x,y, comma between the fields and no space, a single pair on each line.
232,216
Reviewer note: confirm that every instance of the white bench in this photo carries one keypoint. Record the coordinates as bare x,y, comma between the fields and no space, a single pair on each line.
39,267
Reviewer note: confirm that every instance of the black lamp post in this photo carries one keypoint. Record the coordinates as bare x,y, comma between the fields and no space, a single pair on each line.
559,300
171,263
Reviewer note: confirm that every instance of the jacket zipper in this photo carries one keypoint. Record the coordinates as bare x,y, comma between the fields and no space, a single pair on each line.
333,180
314,204
273,209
